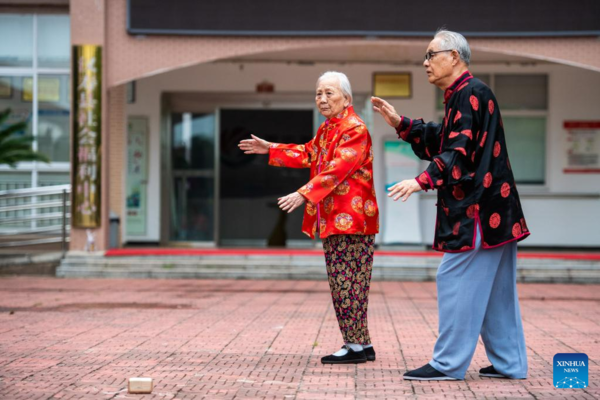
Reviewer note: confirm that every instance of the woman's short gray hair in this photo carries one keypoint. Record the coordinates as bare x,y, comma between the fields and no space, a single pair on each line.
454,41
343,81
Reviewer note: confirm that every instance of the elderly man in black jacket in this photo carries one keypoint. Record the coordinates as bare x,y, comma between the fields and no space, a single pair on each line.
479,218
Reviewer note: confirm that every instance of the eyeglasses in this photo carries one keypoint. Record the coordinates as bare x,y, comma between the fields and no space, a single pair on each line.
429,55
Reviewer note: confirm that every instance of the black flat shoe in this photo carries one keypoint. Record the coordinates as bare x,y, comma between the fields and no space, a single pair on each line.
490,372
351,357
370,353
427,373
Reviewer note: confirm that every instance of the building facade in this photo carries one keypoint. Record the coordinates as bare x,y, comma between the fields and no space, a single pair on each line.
177,94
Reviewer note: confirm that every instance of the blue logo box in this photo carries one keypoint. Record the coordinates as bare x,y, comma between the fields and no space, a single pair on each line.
570,371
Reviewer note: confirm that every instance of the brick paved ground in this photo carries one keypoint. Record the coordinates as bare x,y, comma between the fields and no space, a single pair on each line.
203,339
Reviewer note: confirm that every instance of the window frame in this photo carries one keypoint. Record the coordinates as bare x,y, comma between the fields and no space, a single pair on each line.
35,72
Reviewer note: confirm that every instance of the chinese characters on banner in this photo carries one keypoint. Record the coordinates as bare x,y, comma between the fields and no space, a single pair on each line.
137,175
583,147
87,113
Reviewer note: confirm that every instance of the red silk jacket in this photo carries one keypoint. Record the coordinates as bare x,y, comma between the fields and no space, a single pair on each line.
340,193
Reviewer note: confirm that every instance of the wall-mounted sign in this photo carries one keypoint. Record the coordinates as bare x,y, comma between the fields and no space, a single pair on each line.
583,147
137,176
392,85
48,89
87,115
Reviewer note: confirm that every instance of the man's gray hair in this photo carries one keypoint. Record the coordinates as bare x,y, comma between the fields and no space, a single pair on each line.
454,41
343,82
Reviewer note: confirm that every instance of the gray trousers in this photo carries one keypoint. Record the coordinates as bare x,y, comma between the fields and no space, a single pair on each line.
477,294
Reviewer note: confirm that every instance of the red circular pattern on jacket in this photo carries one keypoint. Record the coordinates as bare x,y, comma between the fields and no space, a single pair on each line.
505,189
439,182
483,139
456,173
472,210
474,102
457,116
328,204
322,226
487,180
370,208
348,155
364,174
491,106
357,204
446,211
524,224
516,230
343,221
467,133
495,220
456,228
310,208
329,165
458,193
497,149
342,189
417,140
329,181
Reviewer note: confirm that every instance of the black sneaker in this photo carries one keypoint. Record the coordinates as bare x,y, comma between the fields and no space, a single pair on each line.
490,372
427,373
351,357
370,353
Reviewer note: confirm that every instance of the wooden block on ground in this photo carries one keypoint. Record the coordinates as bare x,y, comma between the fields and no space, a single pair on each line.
140,385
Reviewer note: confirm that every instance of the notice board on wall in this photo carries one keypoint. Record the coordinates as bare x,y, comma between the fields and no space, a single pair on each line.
137,176
583,147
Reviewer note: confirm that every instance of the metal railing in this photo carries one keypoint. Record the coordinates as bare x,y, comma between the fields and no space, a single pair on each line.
36,216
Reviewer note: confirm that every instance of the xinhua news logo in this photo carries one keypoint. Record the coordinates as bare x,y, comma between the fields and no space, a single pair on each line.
570,371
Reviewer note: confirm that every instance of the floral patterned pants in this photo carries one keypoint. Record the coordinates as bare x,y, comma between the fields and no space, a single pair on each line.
349,260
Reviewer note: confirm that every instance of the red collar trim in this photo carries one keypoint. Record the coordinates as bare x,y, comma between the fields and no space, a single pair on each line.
459,81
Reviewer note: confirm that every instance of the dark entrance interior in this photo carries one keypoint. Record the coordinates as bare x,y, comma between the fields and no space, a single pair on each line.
249,187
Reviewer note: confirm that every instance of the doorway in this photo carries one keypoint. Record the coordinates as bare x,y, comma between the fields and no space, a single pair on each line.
249,187
230,200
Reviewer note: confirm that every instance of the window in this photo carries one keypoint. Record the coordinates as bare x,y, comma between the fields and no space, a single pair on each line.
523,101
34,84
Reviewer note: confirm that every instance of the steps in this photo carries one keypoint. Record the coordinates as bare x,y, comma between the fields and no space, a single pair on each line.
310,266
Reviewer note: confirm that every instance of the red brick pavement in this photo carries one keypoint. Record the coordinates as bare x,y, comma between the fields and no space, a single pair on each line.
226,339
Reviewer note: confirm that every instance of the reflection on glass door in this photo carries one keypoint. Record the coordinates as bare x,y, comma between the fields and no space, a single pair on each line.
192,197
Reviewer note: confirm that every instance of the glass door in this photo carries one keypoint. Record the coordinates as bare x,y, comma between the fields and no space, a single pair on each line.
192,178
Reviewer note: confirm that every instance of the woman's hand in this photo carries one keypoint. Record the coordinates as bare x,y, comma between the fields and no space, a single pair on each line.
386,110
404,189
290,202
255,145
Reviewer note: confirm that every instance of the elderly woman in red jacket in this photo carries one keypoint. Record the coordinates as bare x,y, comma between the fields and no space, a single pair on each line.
340,206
